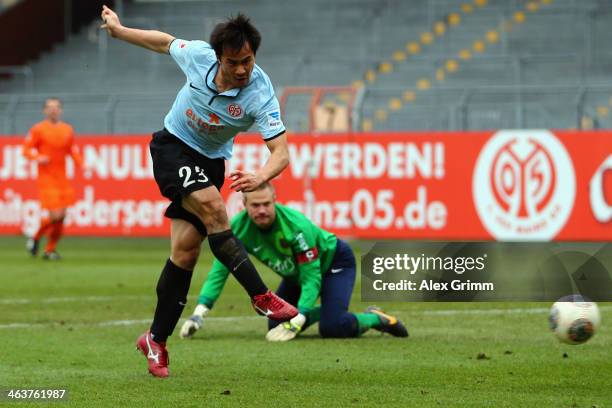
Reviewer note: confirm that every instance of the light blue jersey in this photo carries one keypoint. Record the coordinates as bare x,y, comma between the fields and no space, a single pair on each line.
207,120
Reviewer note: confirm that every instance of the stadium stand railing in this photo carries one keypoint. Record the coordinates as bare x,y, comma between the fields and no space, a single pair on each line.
414,63
330,108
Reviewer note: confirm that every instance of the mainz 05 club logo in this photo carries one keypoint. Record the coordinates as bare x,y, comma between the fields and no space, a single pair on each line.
524,185
234,110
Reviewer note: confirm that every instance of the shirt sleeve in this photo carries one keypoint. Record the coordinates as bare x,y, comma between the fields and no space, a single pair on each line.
309,267
269,120
182,52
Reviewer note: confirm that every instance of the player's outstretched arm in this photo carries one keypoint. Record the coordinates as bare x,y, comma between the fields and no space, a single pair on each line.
278,160
30,148
153,40
279,157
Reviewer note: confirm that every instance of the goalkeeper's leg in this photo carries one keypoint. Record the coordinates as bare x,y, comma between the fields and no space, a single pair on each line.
336,290
336,320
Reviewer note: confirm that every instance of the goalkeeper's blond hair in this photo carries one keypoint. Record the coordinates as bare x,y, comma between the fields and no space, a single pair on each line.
262,186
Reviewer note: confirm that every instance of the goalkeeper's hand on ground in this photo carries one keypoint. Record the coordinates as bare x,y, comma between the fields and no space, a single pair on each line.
194,322
287,330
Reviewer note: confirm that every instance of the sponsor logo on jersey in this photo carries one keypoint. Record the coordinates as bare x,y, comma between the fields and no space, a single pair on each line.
274,119
301,241
213,118
281,266
200,125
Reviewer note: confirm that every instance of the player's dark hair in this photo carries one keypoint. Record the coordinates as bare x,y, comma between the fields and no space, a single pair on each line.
233,33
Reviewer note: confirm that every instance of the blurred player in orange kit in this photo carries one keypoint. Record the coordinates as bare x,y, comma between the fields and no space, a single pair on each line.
48,143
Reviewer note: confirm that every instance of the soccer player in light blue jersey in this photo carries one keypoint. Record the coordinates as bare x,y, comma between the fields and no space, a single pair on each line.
224,94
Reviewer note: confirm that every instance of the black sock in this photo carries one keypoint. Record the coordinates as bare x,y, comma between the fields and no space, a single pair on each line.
230,252
172,289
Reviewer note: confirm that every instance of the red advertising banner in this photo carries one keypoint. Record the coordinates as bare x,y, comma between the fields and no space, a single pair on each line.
513,185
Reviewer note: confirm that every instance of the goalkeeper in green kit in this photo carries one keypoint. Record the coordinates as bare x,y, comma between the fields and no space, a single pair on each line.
313,264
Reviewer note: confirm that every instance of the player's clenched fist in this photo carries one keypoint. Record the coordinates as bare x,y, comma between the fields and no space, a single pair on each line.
111,21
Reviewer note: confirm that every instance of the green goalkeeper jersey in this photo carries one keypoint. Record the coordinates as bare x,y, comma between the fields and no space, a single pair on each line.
293,247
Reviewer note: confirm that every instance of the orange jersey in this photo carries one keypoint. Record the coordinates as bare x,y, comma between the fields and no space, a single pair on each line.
49,143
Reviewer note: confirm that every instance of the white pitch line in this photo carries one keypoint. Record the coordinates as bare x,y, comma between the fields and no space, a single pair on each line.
23,301
451,312
133,322
534,310
69,299
110,323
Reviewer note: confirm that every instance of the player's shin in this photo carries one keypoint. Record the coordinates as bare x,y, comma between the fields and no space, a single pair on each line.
230,252
172,289
367,321
55,234
45,224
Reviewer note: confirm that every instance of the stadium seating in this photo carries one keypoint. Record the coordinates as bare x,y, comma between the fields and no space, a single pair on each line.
524,72
424,64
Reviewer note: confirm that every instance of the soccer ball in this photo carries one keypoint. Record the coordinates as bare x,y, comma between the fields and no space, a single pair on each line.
574,319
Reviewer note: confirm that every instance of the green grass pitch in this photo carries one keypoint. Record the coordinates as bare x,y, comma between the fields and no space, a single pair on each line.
72,324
